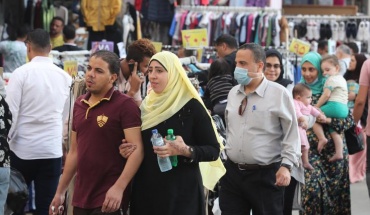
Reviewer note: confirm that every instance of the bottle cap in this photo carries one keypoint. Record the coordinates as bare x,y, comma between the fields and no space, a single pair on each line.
170,131
154,131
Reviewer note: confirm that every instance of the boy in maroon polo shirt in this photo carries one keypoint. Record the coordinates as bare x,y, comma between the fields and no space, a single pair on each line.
101,119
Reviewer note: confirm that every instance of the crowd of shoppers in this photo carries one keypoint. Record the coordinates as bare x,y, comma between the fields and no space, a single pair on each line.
111,152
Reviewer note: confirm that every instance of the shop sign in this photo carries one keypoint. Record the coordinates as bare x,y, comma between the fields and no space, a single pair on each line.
102,45
70,67
157,46
299,47
194,38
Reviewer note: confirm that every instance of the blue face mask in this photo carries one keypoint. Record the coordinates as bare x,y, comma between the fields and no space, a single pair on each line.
241,76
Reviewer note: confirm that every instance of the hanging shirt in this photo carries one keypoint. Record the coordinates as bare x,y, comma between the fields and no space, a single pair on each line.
14,53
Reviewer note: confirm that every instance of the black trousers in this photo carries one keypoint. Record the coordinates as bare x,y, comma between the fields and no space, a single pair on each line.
289,196
245,190
45,173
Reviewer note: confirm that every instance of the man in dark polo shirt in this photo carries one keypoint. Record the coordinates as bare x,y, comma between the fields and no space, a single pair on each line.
101,119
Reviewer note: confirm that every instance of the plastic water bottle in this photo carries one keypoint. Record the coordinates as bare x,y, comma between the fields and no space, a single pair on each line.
163,163
171,136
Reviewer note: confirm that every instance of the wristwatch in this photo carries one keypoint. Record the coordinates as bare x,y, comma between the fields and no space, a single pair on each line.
289,167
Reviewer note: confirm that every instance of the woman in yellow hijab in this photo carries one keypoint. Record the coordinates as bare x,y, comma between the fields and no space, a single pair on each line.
174,104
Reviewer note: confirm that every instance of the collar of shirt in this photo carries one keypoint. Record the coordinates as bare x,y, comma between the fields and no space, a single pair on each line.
107,96
42,59
260,90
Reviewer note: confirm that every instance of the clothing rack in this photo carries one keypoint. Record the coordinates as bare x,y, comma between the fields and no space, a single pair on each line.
226,9
330,17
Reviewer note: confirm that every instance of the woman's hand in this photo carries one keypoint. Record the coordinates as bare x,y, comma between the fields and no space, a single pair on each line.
172,147
126,149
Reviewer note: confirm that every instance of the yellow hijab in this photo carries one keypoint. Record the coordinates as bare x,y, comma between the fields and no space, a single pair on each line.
157,108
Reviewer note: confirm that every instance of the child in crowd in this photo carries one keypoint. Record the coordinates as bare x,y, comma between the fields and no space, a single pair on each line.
333,102
302,96
218,87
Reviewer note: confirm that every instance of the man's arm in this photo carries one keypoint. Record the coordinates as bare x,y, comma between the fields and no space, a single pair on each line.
360,103
114,195
69,171
290,144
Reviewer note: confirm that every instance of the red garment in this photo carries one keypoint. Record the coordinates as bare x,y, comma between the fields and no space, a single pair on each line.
339,2
99,131
138,4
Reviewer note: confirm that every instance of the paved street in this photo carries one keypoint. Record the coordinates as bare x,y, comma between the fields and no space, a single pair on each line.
359,199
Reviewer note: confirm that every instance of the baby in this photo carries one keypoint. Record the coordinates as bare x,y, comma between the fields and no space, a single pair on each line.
302,96
333,102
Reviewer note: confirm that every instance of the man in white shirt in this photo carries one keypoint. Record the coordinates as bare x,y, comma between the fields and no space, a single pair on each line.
262,139
37,95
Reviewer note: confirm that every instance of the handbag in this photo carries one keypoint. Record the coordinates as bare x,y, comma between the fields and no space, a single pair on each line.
17,193
354,139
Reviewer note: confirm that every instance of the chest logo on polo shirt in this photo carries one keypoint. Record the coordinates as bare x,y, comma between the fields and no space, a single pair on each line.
101,120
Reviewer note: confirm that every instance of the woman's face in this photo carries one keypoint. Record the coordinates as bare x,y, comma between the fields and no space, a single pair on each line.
352,64
158,77
309,72
273,68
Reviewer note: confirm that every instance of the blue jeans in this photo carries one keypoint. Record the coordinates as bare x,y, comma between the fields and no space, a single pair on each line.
45,174
4,186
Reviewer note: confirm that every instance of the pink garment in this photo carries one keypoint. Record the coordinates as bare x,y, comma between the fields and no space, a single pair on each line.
303,110
365,81
304,141
357,165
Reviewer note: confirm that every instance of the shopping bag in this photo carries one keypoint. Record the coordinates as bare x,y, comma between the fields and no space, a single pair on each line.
354,139
18,192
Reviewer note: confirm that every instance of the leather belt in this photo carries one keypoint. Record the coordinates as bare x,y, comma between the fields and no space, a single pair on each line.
244,166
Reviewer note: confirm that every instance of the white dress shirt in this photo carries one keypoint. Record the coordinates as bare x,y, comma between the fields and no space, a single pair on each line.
267,132
37,95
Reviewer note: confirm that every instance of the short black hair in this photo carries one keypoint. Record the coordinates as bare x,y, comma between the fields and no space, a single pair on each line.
322,44
111,58
229,40
353,46
57,18
23,30
39,39
69,32
219,67
257,50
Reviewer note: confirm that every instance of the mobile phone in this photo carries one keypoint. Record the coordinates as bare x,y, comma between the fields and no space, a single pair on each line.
131,67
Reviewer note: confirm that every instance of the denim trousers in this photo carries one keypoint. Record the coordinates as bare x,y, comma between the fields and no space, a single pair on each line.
4,186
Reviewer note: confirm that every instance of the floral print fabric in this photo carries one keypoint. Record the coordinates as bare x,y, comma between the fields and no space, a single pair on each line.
326,190
5,123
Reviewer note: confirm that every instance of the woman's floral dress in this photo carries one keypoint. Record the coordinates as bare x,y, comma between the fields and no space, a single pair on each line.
326,190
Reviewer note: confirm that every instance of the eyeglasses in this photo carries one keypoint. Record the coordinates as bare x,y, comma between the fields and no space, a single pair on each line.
243,106
269,65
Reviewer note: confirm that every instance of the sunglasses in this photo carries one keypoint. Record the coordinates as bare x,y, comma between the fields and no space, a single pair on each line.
243,106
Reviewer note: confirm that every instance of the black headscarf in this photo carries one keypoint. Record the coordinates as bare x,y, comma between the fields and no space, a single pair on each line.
280,80
355,74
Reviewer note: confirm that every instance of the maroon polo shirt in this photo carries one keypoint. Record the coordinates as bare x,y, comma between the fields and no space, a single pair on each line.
99,131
